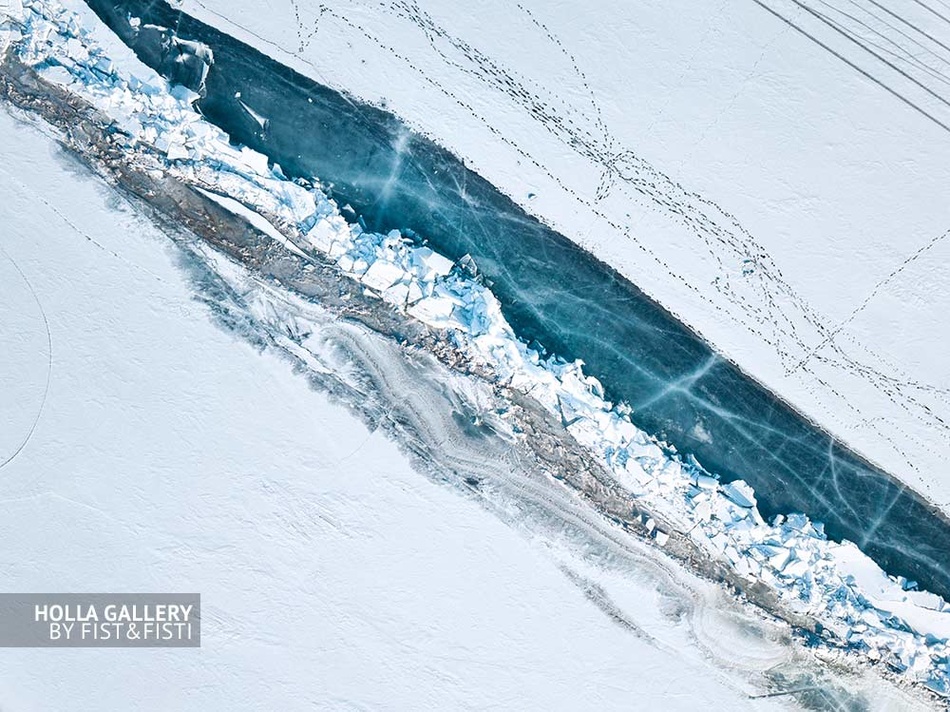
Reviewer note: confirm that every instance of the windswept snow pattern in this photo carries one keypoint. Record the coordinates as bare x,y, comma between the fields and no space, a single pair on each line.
861,608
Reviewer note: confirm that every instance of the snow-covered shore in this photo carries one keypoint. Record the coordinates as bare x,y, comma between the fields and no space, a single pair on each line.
865,610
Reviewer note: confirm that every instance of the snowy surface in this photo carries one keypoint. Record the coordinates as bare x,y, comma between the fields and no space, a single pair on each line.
864,609
171,455
820,261
833,582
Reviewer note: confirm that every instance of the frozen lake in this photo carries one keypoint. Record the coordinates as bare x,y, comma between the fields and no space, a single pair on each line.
559,295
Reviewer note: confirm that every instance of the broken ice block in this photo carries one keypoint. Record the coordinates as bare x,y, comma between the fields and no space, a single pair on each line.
740,493
382,275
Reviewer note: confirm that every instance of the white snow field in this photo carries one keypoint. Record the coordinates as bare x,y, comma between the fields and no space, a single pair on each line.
846,580
773,172
833,582
171,455
264,466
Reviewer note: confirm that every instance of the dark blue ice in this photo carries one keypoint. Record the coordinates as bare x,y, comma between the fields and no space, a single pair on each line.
552,291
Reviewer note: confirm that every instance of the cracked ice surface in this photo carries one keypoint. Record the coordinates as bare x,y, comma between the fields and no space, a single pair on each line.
864,610
552,292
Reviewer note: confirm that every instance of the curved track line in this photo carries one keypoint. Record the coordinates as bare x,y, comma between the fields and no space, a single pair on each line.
49,367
